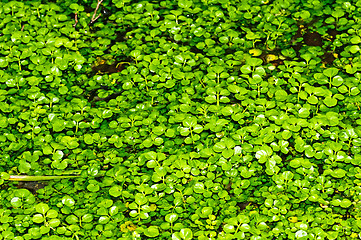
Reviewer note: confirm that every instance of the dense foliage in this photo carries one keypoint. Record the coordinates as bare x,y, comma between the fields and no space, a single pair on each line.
189,119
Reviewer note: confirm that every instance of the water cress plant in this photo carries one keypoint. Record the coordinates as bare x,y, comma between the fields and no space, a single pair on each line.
184,120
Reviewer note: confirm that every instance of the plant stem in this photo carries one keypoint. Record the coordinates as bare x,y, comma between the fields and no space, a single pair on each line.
37,178
95,17
76,20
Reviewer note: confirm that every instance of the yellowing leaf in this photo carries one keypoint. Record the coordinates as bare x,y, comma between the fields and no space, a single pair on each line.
255,52
354,235
131,227
153,207
271,57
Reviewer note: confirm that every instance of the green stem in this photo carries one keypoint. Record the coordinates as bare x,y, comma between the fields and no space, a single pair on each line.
36,178
298,94
245,109
237,227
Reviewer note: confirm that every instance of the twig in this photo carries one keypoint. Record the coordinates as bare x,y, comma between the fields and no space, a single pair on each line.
95,17
76,20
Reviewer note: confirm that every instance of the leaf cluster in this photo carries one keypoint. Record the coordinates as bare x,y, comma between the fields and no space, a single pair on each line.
187,119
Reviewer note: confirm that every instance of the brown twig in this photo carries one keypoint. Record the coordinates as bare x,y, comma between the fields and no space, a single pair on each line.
76,20
95,17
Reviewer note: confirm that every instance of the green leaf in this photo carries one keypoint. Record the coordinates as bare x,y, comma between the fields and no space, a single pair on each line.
254,62
190,122
152,231
227,153
354,49
16,202
140,199
38,218
115,191
224,39
198,187
3,63
333,118
229,228
71,219
207,211
345,203
263,154
227,111
219,146
330,72
337,81
88,139
199,31
107,113
68,201
286,134
42,208
185,4
295,163
58,155
330,101
171,217
54,222
93,187
52,213
301,234
87,218
303,112
312,99
63,90
338,173
186,234
62,17
24,166
281,95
